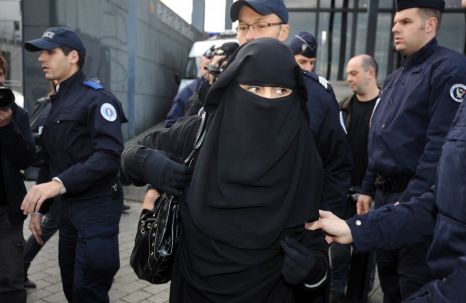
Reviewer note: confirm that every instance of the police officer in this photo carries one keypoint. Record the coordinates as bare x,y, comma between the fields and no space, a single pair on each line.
83,140
408,129
304,47
440,212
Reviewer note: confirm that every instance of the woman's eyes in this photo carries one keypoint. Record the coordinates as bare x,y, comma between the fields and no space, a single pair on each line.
253,89
276,90
267,91
282,91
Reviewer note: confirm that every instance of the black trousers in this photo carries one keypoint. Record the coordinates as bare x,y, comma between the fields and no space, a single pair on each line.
11,260
401,271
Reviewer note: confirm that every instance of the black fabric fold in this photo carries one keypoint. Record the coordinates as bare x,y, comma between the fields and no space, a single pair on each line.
258,171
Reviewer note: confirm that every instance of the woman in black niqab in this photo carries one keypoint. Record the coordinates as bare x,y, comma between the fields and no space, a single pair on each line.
257,179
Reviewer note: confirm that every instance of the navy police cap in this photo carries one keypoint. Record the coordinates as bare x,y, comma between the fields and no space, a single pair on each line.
262,7
405,4
304,44
55,37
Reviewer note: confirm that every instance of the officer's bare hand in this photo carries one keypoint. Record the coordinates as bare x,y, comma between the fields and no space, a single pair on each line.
34,227
38,194
5,116
337,230
149,198
363,205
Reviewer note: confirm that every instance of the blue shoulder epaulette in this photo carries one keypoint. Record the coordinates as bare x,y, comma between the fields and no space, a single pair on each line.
93,84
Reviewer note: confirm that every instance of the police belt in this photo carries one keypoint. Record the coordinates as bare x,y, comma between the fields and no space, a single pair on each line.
392,184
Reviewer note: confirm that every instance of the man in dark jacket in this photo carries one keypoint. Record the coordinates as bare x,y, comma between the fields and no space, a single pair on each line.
438,214
16,153
83,141
408,129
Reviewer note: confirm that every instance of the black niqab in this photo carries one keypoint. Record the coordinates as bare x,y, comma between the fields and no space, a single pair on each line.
258,171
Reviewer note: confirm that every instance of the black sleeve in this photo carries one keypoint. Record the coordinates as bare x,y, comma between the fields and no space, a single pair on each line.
315,241
177,141
336,156
16,139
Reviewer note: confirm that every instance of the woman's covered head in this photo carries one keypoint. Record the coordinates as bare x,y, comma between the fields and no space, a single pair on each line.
264,67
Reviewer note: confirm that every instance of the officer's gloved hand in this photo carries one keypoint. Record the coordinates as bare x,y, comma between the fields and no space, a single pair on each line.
300,265
165,174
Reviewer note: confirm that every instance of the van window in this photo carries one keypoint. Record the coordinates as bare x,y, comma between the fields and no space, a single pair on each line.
191,69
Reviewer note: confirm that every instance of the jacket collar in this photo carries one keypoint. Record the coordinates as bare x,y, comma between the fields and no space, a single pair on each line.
66,85
421,54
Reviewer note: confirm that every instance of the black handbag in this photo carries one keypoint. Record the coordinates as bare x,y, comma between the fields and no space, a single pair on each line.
159,230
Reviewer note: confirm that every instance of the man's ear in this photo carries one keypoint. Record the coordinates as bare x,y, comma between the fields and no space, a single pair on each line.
284,31
74,56
372,72
431,25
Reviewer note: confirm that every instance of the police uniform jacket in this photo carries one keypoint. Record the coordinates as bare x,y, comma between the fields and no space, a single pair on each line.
441,211
415,112
83,138
16,153
331,141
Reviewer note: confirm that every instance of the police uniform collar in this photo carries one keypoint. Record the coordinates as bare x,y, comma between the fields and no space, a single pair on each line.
65,85
421,54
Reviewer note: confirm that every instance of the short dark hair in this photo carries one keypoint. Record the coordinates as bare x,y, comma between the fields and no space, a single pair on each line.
67,50
427,13
369,62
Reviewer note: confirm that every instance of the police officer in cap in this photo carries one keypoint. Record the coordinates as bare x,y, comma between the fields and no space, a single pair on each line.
83,141
408,128
304,47
439,213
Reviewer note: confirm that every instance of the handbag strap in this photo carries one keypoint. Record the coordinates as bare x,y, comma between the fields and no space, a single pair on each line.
200,136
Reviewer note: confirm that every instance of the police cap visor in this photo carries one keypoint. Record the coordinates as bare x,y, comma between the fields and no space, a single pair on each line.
262,7
55,37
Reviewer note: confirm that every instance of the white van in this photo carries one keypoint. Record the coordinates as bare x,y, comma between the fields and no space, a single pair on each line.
197,50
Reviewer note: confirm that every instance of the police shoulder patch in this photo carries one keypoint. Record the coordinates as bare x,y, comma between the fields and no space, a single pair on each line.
93,84
108,112
457,92
323,82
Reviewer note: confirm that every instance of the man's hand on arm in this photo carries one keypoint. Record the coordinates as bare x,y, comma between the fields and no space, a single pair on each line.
38,194
363,205
337,230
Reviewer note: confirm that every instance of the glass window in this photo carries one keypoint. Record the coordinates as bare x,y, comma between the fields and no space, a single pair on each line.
301,3
385,3
322,41
452,31
301,22
335,46
452,3
383,44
